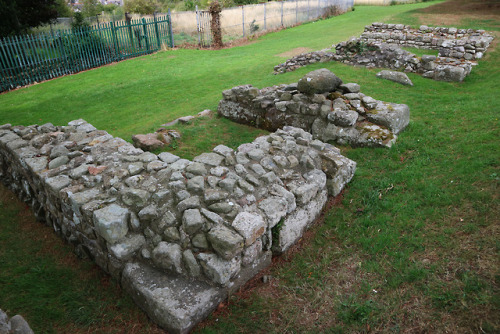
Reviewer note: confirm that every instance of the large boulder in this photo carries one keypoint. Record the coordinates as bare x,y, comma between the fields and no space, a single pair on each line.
395,76
318,81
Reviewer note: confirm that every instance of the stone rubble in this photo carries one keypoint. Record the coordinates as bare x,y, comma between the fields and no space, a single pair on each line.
380,46
163,136
321,105
180,235
398,77
468,44
14,325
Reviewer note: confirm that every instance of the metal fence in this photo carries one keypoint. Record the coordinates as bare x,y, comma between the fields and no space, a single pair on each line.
190,27
34,58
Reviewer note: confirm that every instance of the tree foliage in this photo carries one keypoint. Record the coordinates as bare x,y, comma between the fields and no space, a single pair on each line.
18,16
141,6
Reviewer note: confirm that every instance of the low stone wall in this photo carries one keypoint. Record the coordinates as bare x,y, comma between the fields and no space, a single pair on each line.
320,104
358,52
179,234
465,44
380,46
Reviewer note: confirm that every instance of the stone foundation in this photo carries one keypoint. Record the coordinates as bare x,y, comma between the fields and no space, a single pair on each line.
380,46
456,43
180,235
337,112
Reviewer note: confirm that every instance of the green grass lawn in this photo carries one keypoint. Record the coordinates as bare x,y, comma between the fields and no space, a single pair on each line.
412,245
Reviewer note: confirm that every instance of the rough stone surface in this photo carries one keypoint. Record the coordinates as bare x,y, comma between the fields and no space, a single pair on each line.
395,76
112,222
344,116
380,46
163,224
16,325
175,303
318,81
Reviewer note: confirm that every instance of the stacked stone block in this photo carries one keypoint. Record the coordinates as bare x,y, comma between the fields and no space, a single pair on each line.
203,227
322,105
465,44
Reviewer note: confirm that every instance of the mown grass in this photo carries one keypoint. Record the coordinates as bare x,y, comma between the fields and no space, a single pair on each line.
410,246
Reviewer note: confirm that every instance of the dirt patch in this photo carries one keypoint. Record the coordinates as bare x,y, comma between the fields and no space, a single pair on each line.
294,52
454,12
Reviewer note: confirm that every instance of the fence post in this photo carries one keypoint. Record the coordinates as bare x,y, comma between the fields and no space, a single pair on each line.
243,19
265,25
198,25
115,41
170,29
282,13
145,29
296,11
157,32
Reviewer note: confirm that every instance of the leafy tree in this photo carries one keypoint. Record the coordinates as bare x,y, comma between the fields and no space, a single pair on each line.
18,16
63,10
141,6
90,8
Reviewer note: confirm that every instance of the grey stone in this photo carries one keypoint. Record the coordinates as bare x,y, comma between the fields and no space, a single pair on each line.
344,118
196,184
213,195
191,264
37,164
135,197
318,81
172,234
196,168
398,77
256,154
350,88
189,203
200,241
251,253
219,171
111,222
227,184
168,157
192,221
19,326
218,270
127,247
212,216
274,208
56,183
148,213
369,102
58,150
251,226
221,207
211,159
4,323
394,116
225,242
352,96
258,169
179,164
168,256
135,168
175,303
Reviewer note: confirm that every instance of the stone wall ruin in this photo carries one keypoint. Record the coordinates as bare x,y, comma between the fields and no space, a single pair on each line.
180,235
380,46
468,44
322,105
